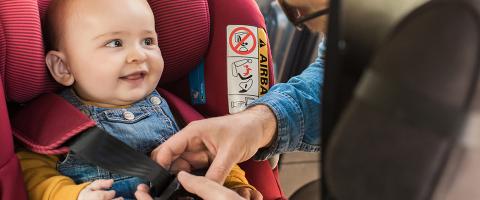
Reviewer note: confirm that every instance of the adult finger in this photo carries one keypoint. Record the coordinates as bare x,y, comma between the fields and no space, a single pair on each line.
180,165
221,166
185,140
170,150
142,192
198,160
205,188
190,161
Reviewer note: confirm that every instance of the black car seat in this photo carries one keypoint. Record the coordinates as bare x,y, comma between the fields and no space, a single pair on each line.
398,138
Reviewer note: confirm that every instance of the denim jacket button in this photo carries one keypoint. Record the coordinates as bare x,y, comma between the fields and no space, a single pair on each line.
155,100
128,115
85,111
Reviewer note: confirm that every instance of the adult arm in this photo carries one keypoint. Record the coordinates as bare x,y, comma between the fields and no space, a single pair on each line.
296,107
285,119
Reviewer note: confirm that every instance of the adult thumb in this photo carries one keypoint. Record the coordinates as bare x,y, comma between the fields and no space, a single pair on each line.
221,166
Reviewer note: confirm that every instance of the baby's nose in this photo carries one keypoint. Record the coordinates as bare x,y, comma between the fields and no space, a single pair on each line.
136,55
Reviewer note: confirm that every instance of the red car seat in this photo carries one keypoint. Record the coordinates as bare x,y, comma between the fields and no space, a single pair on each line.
11,180
190,31
11,184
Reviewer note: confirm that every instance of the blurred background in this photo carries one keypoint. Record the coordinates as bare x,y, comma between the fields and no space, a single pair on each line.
292,52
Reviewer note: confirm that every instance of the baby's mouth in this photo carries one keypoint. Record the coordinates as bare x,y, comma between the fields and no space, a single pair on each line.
134,76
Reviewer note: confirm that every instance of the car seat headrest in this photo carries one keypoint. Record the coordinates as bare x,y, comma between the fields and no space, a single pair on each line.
183,28
367,23
224,15
359,27
24,70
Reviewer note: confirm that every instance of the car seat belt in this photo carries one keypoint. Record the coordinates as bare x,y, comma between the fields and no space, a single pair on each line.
126,161
35,122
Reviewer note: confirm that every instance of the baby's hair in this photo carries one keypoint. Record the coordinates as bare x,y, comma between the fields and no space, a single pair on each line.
54,23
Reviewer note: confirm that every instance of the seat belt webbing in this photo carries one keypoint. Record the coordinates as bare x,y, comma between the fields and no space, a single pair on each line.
98,147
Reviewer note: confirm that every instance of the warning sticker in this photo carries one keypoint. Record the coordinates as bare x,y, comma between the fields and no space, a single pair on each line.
247,65
242,40
263,63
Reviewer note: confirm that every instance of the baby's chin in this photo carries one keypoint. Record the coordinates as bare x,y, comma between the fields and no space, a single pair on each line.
135,95
116,98
126,99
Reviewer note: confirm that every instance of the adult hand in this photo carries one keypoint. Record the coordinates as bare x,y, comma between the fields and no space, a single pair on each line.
142,193
227,140
201,186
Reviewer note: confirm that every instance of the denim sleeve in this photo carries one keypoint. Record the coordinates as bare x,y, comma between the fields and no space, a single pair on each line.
296,105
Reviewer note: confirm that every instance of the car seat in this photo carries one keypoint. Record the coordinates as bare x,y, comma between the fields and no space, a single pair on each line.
11,181
399,137
356,30
191,33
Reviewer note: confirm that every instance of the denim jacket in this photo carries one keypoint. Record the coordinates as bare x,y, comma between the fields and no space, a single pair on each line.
143,126
296,105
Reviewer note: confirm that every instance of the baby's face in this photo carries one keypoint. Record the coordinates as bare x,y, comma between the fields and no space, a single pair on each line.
111,48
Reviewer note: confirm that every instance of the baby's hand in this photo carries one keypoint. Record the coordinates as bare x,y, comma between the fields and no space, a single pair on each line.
97,191
248,193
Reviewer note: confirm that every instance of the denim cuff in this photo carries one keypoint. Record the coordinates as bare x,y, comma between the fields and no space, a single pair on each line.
290,120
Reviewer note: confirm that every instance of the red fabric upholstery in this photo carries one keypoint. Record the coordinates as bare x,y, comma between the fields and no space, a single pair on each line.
11,180
184,110
3,53
183,35
261,175
223,13
46,137
25,72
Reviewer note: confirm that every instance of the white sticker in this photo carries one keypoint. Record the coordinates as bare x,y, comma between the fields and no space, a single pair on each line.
243,66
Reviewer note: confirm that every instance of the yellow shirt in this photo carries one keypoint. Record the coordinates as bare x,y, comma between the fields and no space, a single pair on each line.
44,182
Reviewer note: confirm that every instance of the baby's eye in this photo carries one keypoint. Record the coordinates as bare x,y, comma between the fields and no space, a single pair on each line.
148,41
114,43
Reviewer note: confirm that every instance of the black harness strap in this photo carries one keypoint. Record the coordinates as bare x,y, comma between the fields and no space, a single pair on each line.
102,149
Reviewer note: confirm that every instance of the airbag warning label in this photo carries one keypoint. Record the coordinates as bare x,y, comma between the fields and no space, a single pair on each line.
247,65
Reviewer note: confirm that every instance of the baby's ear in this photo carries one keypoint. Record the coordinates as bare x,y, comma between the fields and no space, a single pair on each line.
58,68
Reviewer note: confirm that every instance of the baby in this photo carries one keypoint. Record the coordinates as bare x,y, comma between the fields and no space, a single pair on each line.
106,53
